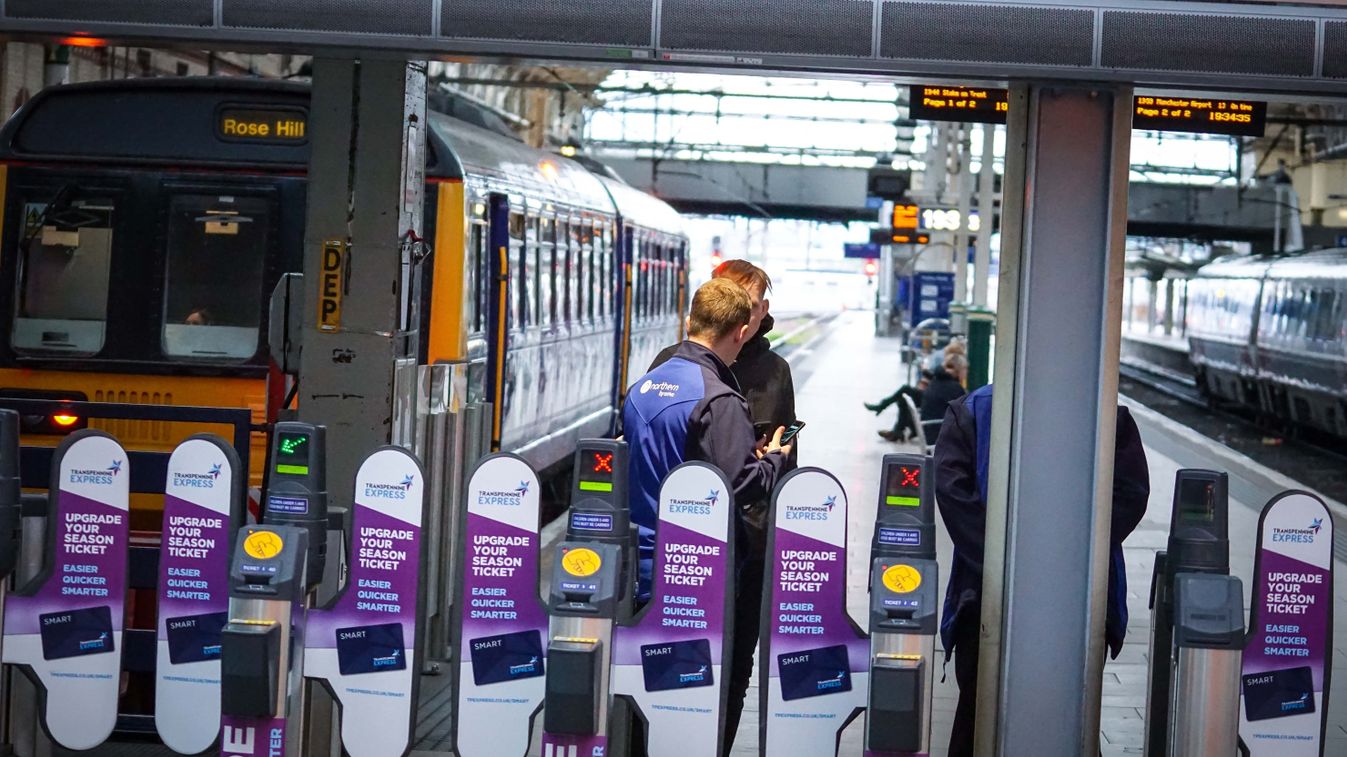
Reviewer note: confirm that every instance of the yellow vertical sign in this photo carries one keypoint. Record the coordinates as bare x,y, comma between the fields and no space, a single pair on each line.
330,285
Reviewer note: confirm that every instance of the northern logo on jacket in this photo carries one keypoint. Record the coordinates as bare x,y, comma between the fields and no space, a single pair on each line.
661,388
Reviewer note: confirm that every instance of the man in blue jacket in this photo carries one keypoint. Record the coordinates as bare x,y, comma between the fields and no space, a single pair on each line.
690,408
961,459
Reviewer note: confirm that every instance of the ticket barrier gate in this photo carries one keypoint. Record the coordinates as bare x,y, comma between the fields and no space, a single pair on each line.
903,603
593,588
11,497
275,568
1197,627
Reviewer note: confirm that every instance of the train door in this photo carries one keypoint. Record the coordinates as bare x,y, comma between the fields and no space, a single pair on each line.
623,301
498,310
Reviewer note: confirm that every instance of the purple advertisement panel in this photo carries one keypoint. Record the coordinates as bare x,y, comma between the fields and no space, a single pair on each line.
203,501
1287,659
364,645
671,660
502,625
68,628
815,656
252,737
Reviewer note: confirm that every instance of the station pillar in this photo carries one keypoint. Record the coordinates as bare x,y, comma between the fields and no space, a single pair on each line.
1051,466
362,252
366,183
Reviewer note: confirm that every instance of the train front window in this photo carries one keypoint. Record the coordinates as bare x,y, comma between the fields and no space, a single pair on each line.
65,257
217,247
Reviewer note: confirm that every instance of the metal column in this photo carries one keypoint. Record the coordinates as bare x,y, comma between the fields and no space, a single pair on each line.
1050,483
365,190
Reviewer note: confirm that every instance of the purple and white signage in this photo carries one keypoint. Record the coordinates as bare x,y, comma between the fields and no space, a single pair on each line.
671,661
1288,657
501,623
203,506
815,656
66,626
364,644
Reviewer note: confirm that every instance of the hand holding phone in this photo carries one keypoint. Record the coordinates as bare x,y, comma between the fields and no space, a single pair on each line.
791,431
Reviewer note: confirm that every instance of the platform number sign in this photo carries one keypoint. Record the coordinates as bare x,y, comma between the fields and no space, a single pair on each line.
331,280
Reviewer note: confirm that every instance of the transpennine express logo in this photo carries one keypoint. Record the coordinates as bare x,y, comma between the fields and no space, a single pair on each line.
695,677
1298,535
389,491
93,476
524,668
504,497
695,506
99,643
1297,704
387,661
836,682
197,480
811,512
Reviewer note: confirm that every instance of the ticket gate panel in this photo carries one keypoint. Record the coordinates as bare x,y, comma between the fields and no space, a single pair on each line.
71,642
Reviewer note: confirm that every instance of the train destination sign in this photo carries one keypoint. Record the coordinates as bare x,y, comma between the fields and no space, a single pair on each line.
1240,118
946,102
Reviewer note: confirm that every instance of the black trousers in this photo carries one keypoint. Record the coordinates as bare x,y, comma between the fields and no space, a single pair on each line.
747,620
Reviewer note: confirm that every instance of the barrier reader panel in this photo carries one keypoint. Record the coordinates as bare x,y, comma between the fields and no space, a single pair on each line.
500,622
1288,657
259,671
363,647
66,624
904,600
671,660
204,501
815,659
593,585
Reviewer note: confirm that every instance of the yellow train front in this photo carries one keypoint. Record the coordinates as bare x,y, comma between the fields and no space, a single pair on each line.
144,231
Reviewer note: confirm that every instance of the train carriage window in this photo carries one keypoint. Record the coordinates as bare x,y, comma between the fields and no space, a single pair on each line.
65,260
217,252
547,293
532,275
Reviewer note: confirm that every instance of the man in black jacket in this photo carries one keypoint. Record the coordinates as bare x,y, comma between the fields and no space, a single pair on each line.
961,460
764,380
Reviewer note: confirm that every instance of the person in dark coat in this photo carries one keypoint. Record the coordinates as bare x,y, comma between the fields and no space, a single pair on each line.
945,387
961,460
765,381
907,422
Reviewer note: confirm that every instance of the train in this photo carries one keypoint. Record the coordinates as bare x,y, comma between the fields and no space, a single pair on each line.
142,237
1265,334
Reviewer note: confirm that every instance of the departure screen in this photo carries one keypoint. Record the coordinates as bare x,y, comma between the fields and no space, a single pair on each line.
292,453
274,125
596,471
904,486
1197,500
983,105
1200,115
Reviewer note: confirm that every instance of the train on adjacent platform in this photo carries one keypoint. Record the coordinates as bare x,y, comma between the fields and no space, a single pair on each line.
1264,333
143,232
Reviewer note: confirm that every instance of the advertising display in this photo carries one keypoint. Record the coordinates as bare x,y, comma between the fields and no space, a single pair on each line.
671,661
203,507
363,646
501,623
1288,656
815,659
66,624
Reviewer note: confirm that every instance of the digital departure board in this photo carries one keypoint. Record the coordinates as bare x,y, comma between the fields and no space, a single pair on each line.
272,125
1239,118
951,102
904,487
596,472
292,453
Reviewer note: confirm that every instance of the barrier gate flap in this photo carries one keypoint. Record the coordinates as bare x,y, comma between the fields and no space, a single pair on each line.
364,645
203,498
501,623
66,626
672,661
1288,656
816,658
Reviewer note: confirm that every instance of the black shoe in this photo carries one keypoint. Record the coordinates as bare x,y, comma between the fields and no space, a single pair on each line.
888,436
875,408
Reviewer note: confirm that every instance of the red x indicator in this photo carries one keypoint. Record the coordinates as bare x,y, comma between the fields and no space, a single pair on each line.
603,463
911,477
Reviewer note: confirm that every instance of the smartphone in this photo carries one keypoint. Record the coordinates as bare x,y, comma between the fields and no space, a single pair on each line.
791,431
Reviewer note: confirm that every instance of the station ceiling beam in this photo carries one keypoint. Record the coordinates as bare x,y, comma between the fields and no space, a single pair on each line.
1224,45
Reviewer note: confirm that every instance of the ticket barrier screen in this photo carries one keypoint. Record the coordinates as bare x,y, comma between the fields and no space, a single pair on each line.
1197,632
592,590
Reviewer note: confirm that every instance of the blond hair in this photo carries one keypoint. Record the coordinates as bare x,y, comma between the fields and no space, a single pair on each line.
718,307
745,274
